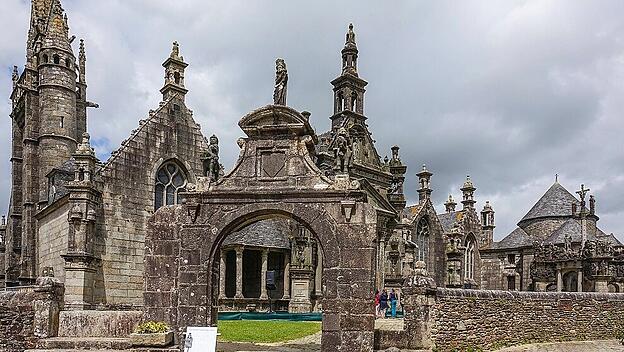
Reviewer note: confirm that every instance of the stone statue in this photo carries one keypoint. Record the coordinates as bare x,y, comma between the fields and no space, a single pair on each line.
567,244
281,81
350,35
210,159
15,76
342,151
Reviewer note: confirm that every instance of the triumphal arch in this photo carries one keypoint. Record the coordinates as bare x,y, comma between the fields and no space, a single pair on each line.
275,177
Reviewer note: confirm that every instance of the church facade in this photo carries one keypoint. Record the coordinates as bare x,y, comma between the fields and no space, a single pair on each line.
84,220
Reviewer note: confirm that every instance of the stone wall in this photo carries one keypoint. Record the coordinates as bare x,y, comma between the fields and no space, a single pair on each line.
52,238
457,319
29,313
128,195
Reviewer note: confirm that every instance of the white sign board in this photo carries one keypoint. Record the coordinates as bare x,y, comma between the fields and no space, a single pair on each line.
200,339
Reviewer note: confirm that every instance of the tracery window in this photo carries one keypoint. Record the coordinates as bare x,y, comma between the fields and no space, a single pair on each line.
422,240
170,181
469,257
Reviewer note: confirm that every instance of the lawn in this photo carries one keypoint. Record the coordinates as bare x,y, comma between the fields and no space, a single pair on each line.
265,330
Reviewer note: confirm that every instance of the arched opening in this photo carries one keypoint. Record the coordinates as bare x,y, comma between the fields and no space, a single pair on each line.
469,258
354,99
67,63
171,180
56,59
614,287
570,283
422,240
268,261
176,77
45,58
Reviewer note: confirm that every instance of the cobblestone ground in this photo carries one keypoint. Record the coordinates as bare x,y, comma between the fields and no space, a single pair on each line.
577,346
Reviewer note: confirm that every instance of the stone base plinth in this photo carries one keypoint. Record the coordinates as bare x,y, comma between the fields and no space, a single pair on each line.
152,340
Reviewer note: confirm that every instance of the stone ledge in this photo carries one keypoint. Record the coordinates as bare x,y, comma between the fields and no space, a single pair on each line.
499,294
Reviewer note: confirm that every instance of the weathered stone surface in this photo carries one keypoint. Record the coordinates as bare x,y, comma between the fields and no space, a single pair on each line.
94,323
152,340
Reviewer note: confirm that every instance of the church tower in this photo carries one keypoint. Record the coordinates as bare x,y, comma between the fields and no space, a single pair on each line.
46,125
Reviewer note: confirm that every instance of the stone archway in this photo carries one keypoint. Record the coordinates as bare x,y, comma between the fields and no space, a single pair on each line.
275,176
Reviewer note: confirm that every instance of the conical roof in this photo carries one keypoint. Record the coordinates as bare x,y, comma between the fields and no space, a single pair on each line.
556,202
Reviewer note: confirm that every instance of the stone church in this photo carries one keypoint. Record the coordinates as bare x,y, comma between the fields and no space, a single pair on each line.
84,220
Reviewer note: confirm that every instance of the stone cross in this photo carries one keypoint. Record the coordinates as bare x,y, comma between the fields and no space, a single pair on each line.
582,193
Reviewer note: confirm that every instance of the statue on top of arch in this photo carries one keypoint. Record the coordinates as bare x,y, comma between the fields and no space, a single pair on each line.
210,160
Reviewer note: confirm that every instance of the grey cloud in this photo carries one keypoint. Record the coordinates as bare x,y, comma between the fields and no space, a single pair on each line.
509,92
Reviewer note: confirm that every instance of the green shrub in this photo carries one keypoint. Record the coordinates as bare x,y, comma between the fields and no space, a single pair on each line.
152,327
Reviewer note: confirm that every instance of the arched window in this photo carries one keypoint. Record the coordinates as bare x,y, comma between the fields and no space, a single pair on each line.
469,257
422,240
170,181
67,63
176,78
45,58
56,59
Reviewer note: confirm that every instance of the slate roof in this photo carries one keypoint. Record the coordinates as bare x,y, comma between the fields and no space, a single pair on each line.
557,201
516,239
271,233
570,228
412,211
448,219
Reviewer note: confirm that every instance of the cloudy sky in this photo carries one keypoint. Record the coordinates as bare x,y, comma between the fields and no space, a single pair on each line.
510,92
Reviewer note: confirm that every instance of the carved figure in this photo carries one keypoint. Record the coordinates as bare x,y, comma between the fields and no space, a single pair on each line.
281,81
342,151
567,244
210,159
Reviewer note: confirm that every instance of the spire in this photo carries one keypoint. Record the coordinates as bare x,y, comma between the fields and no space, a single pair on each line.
82,60
450,204
348,87
468,193
174,73
350,53
424,178
56,32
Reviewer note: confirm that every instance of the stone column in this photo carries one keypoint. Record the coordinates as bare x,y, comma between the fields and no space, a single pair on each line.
222,271
263,290
381,262
579,280
559,281
286,277
239,272
319,273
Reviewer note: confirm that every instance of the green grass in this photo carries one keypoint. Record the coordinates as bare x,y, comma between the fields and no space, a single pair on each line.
264,331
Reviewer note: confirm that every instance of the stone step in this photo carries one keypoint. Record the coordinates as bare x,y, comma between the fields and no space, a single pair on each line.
130,350
98,323
85,343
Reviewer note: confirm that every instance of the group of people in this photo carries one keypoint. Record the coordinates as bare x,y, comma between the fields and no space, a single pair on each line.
383,301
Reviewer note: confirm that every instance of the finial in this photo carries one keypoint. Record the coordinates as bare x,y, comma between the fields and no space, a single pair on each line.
15,76
281,81
424,167
175,51
82,48
556,178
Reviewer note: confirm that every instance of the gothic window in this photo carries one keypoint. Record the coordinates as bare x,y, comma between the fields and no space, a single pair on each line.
170,181
469,257
422,240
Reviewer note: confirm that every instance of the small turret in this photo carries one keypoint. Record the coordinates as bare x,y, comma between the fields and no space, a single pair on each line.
468,192
450,204
348,87
398,170
174,74
424,179
487,223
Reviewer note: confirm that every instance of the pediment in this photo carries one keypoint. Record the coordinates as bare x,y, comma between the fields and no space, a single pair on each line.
272,120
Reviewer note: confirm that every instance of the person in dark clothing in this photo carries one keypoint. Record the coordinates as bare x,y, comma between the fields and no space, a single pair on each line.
383,303
393,302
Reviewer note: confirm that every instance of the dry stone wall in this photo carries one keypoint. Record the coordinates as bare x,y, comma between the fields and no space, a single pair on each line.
29,314
493,319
